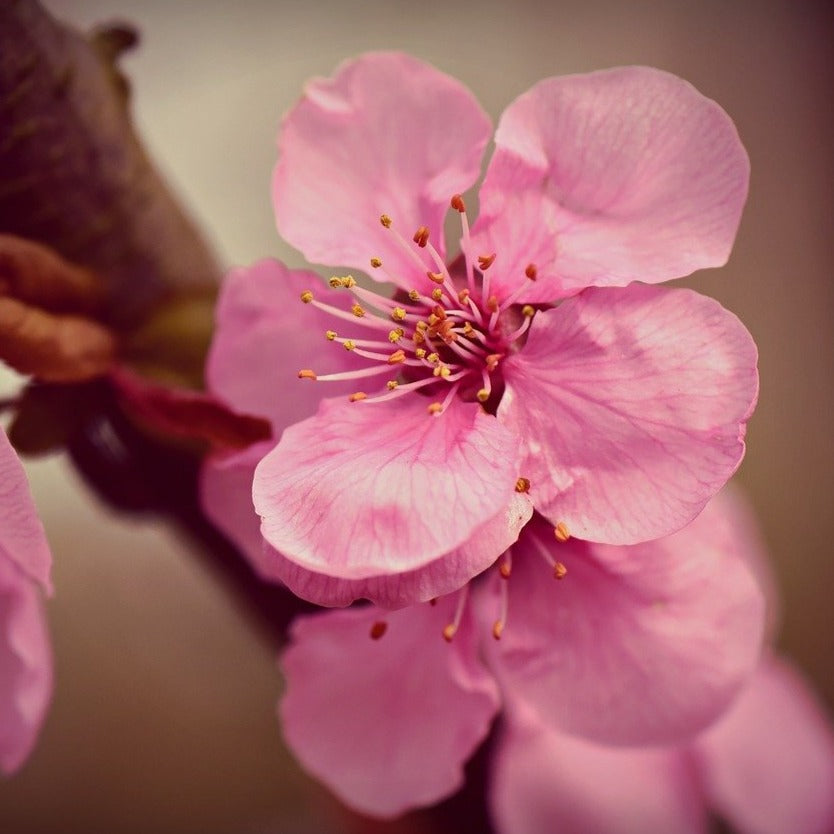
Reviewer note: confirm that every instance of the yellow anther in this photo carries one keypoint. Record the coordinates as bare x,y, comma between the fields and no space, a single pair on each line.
433,319
421,326
435,408
348,281
349,344
497,629
414,295
378,629
522,485
437,293
561,532
392,384
468,330
359,395
559,571
398,314
437,277
330,334
335,282
396,357
376,263
492,304
396,334
531,272
357,311
449,632
420,353
307,296
433,358
442,371
486,261
385,220
463,296
528,310
306,373
482,395
492,361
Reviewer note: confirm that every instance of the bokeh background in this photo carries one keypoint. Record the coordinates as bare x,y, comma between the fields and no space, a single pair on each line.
163,718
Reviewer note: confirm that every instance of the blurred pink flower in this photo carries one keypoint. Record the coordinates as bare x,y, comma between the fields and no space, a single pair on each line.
765,767
25,654
531,372
641,644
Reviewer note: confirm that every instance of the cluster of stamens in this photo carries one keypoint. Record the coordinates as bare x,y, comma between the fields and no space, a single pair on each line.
442,340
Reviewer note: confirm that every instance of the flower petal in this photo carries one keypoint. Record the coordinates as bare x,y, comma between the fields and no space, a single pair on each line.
611,177
22,537
387,724
387,134
768,764
545,781
633,403
636,645
264,336
362,490
25,666
226,499
442,576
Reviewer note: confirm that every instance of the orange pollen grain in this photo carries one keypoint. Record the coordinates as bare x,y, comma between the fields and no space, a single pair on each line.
421,236
528,310
492,304
306,296
437,294
396,356
522,485
559,571
385,220
449,632
561,532
482,395
435,408
378,629
357,397
398,314
376,263
463,296
492,361
306,373
435,276
486,261
531,272
505,570
497,629
357,311
457,203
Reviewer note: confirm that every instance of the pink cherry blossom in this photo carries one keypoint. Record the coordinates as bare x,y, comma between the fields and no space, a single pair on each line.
530,359
766,767
25,654
628,645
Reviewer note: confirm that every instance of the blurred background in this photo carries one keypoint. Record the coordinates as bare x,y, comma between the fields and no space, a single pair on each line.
163,717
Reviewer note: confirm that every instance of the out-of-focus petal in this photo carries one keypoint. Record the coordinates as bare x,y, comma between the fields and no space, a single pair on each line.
442,576
264,336
363,490
22,537
611,177
544,781
633,405
387,134
768,764
25,666
388,723
635,645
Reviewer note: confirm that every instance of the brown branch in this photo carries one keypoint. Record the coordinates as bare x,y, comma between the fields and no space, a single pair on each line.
73,174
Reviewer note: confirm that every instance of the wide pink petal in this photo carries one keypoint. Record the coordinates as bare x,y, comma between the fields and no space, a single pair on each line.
635,645
442,576
366,489
22,537
633,404
226,499
388,723
768,764
544,781
387,134
611,177
25,666
264,335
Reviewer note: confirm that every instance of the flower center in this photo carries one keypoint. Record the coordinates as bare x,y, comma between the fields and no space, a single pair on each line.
443,341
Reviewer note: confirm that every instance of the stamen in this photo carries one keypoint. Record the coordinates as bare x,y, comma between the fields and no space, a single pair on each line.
561,532
451,629
378,629
421,236
398,389
359,374
486,261
465,240
499,625
506,566
396,357
559,570
436,409
525,326
372,322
